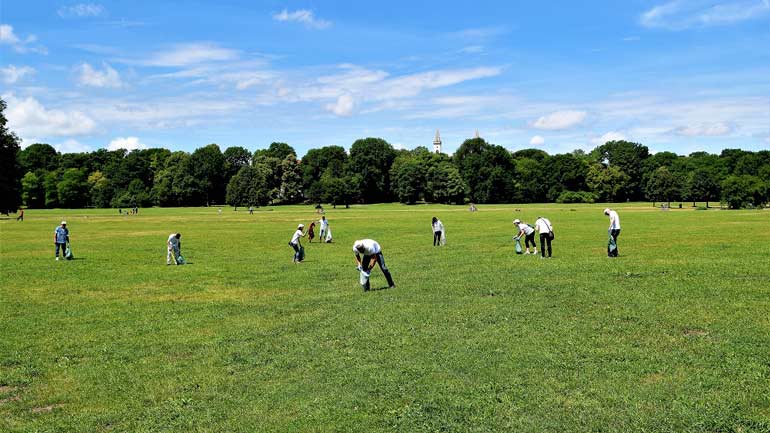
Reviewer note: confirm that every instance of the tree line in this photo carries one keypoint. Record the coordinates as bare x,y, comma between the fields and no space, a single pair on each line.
372,172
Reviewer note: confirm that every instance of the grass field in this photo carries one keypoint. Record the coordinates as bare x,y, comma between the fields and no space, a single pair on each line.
672,336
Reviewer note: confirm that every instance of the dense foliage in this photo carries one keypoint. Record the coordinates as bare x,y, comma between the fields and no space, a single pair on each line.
373,171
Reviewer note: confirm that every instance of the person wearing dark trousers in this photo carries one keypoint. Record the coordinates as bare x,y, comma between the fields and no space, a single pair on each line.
543,226
614,231
21,215
528,233
368,252
438,232
60,238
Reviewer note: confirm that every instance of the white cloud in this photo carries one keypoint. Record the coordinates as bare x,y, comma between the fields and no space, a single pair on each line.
81,10
343,107
20,45
188,54
609,136
536,141
704,130
72,146
109,77
28,117
472,49
128,143
11,74
304,16
684,14
560,120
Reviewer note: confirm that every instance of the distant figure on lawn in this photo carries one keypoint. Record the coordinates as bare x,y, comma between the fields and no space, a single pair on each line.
543,226
21,215
251,210
311,233
368,252
528,232
324,230
439,234
174,246
61,235
299,254
614,231
319,209
472,208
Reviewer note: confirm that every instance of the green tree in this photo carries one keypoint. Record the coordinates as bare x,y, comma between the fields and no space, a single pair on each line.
408,177
50,183
662,186
629,158
33,192
10,171
487,169
742,191
39,158
703,184
276,150
100,190
235,158
315,163
371,159
608,183
445,184
73,188
291,180
208,168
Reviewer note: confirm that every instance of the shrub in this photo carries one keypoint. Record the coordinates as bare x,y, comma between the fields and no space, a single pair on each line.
576,197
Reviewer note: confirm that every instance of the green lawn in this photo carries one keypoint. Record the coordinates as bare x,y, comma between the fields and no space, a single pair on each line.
672,336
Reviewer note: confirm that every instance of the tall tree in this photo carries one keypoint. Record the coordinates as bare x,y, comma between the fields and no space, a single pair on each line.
371,159
10,172
662,186
235,158
608,183
208,165
703,184
73,188
39,158
629,158
291,180
32,190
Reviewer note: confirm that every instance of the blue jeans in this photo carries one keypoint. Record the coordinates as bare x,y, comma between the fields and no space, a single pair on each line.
63,249
296,251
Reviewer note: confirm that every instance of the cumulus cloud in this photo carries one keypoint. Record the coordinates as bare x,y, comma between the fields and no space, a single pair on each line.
609,136
28,117
560,120
536,141
11,74
72,146
19,44
343,107
128,143
108,78
704,130
684,14
81,10
303,16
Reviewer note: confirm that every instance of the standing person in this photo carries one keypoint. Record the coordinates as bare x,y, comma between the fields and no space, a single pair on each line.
21,215
543,226
251,210
368,252
61,235
529,235
311,233
614,231
438,232
174,247
296,245
324,227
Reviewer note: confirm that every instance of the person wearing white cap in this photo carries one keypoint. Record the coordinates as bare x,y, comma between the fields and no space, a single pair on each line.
529,235
61,235
614,231
368,252
174,247
294,243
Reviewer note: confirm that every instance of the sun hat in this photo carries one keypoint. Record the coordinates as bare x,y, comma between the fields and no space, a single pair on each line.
517,221
64,223
301,226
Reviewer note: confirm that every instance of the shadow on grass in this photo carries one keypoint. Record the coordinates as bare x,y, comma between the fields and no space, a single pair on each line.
377,289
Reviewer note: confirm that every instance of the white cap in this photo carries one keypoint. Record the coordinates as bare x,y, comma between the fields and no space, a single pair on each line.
64,223
516,221
606,211
301,226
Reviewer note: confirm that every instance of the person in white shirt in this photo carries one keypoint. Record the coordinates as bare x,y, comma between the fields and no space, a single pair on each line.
174,246
324,228
543,226
529,235
295,244
439,236
368,252
614,231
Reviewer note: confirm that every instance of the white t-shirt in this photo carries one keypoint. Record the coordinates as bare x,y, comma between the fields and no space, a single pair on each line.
324,224
295,238
525,228
173,242
614,220
542,225
370,247
438,226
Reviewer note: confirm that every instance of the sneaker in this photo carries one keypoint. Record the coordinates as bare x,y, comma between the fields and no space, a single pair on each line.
57,259
392,287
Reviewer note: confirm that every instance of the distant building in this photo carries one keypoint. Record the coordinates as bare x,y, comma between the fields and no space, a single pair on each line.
477,134
437,143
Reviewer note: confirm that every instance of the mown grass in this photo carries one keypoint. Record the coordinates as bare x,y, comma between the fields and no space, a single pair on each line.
672,336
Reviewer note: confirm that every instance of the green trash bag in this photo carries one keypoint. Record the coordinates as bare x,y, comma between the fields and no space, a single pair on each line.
612,245
68,252
518,245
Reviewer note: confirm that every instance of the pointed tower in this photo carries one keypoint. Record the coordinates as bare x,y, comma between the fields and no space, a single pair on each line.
477,134
437,143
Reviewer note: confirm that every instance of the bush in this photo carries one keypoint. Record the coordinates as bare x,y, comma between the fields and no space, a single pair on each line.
576,197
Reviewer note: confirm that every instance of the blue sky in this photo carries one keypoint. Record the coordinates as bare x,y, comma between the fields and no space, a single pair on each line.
677,75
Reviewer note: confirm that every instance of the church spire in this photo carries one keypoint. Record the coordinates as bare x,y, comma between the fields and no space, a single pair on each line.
477,134
437,143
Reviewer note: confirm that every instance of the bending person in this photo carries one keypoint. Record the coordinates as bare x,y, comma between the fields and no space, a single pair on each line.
368,252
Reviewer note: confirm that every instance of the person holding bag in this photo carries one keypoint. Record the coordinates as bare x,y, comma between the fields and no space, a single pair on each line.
543,226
